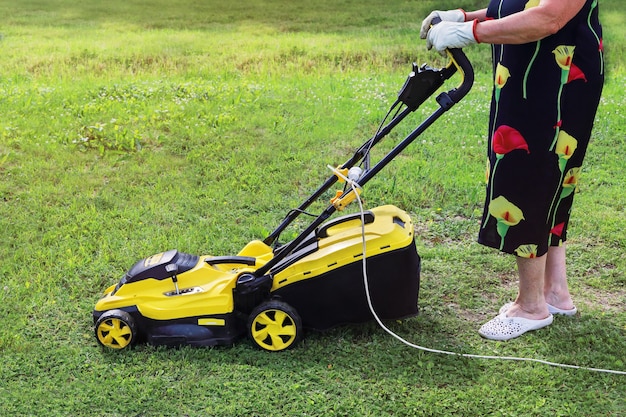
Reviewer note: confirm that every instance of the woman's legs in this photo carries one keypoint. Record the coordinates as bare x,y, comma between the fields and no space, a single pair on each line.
555,290
530,302
529,311
542,280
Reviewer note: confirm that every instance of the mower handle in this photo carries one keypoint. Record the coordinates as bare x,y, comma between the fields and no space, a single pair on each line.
458,62
461,63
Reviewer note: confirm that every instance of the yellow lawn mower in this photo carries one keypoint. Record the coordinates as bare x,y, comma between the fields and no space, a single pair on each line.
273,292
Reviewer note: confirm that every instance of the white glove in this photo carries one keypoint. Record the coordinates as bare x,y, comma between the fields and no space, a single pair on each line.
456,15
451,35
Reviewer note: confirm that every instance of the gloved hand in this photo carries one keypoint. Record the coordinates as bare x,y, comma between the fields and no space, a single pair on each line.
451,35
456,15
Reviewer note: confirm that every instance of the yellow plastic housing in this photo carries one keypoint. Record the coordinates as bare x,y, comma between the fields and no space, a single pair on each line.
205,290
391,230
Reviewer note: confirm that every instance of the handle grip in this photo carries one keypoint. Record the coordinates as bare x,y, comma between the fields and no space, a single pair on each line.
459,62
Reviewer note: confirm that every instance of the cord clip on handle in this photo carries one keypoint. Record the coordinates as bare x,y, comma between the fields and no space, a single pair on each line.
343,198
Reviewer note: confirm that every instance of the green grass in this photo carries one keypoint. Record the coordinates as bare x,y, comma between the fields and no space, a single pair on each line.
128,129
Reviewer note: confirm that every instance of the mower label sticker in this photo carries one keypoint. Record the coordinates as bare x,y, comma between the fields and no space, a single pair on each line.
209,321
153,260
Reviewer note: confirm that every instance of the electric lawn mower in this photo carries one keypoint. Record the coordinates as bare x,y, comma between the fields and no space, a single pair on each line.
272,292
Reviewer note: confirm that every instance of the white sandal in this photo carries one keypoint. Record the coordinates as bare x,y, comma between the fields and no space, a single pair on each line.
555,310
505,328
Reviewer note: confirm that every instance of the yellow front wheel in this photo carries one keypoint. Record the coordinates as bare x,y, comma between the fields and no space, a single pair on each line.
116,329
274,326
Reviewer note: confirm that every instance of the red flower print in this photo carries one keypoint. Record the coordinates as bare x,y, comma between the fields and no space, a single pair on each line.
507,139
576,73
558,229
600,45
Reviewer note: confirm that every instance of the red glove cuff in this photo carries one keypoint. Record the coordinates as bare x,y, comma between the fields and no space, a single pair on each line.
474,30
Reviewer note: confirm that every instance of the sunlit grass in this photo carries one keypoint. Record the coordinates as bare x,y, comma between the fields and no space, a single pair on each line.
128,130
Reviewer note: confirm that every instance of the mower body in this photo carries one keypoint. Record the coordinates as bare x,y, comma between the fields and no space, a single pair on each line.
174,298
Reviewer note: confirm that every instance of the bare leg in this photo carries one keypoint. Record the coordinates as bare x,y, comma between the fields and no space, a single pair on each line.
530,302
529,311
555,288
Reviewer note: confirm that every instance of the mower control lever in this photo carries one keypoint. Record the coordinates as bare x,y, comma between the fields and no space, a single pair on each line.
173,268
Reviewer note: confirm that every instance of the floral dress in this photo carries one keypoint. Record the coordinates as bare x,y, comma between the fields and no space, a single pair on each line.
544,102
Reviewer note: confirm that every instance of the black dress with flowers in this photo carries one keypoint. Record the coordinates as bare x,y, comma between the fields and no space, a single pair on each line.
544,102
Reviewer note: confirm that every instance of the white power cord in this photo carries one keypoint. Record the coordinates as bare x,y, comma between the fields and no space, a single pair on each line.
352,183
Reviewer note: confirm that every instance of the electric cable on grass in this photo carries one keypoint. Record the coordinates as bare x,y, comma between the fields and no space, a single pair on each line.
354,186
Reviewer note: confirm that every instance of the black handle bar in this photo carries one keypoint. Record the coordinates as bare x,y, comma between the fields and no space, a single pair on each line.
459,62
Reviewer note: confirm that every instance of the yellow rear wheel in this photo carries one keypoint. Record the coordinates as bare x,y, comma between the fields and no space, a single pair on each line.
274,326
116,329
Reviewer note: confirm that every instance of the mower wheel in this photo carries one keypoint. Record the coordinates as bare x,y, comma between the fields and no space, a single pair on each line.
116,329
274,326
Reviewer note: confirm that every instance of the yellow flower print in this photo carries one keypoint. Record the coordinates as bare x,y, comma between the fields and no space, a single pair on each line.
507,214
571,178
531,3
502,74
505,211
566,144
526,251
563,55
570,182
